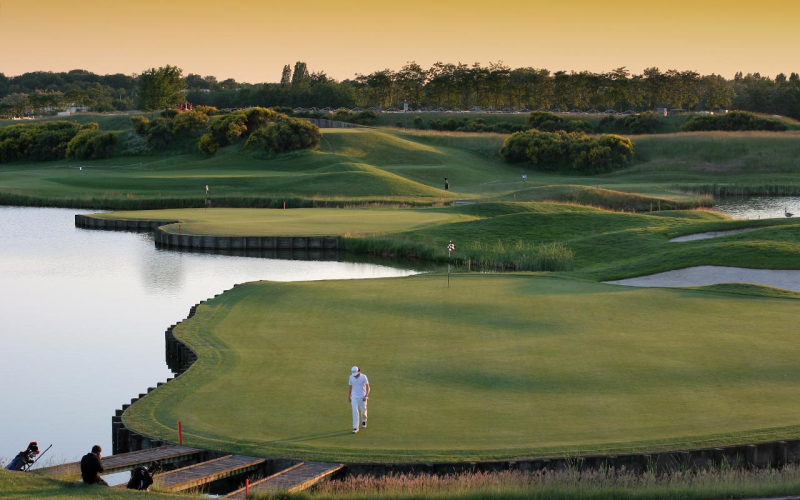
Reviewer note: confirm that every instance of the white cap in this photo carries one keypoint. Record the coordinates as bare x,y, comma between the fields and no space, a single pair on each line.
354,370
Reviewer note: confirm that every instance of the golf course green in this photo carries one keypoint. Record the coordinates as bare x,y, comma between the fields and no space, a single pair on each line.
296,222
495,366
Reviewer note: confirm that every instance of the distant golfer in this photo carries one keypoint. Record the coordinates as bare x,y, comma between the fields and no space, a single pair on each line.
446,184
206,189
359,394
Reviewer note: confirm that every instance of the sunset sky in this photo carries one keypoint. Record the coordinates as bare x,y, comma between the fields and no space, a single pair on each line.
250,40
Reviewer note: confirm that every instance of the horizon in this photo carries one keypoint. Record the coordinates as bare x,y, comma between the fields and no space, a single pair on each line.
737,37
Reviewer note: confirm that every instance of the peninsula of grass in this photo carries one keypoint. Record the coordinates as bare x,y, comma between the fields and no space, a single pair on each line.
496,366
593,243
296,222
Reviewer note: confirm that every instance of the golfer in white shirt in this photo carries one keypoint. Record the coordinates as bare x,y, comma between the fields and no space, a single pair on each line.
359,394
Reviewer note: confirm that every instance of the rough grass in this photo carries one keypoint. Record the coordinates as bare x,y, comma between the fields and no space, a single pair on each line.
704,484
496,366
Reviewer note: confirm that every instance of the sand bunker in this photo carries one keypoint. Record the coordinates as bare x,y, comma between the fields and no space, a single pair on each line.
712,234
715,275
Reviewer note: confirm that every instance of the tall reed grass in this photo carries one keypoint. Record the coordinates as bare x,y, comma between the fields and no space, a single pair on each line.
693,484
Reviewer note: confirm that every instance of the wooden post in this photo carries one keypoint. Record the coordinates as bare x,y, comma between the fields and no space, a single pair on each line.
284,205
180,432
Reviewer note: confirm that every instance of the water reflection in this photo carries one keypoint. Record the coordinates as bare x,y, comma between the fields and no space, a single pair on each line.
83,314
758,207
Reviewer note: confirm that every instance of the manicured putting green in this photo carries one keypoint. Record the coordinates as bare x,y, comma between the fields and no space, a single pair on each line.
295,222
495,366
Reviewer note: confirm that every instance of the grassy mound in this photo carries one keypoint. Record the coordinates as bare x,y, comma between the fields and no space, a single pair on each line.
496,366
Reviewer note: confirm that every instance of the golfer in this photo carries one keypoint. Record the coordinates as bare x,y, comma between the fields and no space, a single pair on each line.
359,394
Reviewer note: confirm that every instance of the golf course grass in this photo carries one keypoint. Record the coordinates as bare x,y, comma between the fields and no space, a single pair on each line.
296,222
495,366
395,167
25,486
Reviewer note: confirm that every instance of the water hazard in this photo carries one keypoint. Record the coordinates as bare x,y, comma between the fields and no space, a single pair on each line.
83,314
758,207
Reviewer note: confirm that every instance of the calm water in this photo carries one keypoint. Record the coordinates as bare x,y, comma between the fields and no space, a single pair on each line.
82,320
759,207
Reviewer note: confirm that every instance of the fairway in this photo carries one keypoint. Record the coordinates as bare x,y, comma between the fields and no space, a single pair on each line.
296,222
497,366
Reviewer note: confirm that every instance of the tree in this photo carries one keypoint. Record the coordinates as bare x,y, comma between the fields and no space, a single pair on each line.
286,75
17,104
300,76
161,88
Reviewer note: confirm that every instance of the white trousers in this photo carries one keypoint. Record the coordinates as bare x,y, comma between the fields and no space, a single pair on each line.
359,405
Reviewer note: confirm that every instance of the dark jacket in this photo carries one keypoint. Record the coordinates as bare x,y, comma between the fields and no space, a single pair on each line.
91,467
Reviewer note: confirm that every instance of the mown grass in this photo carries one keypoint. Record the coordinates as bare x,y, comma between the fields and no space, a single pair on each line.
297,222
374,166
568,375
25,486
711,483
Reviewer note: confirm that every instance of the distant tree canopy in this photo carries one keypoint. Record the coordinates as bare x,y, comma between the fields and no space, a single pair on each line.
568,152
443,85
160,88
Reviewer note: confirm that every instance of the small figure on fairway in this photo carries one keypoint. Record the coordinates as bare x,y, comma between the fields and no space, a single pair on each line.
206,189
524,177
359,394
92,466
446,184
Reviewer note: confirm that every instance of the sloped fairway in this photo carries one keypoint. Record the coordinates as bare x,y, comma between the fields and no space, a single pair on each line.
297,222
496,366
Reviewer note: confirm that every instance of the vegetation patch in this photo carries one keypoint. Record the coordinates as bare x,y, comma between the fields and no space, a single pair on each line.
568,152
735,121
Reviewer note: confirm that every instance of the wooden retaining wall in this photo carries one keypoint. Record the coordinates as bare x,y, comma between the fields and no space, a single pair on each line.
166,239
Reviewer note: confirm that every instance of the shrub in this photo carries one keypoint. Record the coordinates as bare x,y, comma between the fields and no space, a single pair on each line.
255,118
732,122
159,133
169,114
140,124
91,145
206,110
38,142
362,118
571,152
643,123
341,114
542,120
579,126
417,121
189,122
286,134
208,145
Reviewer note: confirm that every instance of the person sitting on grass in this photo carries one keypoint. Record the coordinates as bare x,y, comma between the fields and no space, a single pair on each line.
92,466
359,394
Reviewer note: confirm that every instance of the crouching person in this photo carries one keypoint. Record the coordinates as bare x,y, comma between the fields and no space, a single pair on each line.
92,466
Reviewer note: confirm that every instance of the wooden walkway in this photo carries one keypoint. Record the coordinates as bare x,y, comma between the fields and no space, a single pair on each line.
127,461
206,472
297,478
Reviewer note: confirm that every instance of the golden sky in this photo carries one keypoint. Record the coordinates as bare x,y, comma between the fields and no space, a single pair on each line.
251,40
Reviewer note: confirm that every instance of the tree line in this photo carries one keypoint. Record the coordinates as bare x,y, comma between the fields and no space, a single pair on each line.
443,85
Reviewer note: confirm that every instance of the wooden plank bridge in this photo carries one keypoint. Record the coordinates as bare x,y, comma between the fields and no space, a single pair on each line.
296,478
126,461
203,471
207,472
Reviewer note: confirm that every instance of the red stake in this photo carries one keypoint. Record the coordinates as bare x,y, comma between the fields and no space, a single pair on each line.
284,205
246,488
180,433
